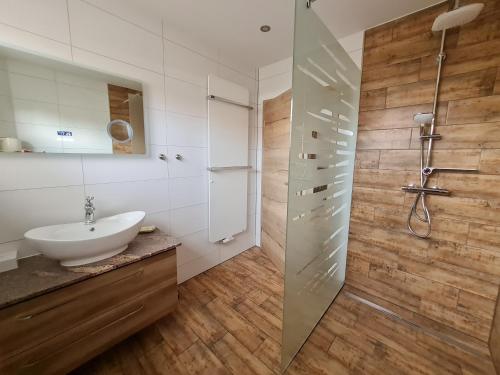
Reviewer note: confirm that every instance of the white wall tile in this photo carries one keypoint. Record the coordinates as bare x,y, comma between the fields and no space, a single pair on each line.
99,169
252,181
194,246
258,187
150,196
242,241
188,220
188,131
36,113
251,202
240,79
33,88
193,162
185,98
258,165
30,69
39,138
188,191
152,83
113,37
353,42
197,266
82,97
159,219
357,57
252,137
6,109
132,12
80,81
87,139
187,65
83,118
253,116
259,138
47,18
4,80
28,171
155,121
279,67
26,209
8,128
26,40
276,85
20,246
239,65
185,39
252,158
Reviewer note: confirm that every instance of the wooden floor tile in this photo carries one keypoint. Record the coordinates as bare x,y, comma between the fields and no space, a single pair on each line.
238,325
237,358
199,360
229,321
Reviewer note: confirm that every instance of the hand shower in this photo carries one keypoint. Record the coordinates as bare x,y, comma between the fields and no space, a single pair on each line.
423,119
427,121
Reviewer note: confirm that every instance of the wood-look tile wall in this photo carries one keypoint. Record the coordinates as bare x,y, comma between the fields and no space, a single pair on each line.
275,151
454,277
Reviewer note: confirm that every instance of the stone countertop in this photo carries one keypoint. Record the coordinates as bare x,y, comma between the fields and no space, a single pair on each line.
39,275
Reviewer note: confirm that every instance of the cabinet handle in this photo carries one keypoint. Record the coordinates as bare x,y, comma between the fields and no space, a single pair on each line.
25,317
126,316
138,273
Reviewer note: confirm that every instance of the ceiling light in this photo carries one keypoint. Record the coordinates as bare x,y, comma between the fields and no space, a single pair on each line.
265,28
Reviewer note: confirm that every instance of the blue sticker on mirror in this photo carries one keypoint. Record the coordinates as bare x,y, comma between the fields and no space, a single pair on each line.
65,133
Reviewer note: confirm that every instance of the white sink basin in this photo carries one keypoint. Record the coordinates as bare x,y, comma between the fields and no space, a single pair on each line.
77,243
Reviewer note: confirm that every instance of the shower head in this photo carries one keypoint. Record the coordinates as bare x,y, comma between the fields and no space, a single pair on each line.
457,17
423,118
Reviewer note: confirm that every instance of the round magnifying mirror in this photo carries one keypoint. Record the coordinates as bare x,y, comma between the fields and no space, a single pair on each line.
120,131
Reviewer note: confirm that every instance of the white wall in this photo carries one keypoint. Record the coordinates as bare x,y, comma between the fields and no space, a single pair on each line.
275,79
38,190
353,44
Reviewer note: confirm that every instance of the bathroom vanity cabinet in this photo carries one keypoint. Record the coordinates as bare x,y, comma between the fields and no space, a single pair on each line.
56,331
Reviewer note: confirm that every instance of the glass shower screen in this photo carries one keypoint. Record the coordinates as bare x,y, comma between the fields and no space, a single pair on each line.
323,141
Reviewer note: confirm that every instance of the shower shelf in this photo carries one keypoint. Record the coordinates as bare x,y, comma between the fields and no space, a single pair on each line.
430,191
434,136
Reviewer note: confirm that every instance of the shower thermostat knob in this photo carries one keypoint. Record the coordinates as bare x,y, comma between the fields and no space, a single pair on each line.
427,171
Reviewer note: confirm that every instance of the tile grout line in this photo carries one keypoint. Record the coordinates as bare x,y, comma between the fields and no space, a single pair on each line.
69,32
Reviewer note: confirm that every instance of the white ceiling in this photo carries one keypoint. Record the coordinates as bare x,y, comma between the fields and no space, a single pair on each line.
232,26
345,17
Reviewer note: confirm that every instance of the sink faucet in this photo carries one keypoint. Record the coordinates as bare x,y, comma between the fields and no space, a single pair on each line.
89,210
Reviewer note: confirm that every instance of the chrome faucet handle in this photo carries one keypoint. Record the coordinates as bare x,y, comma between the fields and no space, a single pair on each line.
89,204
89,210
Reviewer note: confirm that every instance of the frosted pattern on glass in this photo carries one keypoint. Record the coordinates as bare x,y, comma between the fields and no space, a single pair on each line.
323,141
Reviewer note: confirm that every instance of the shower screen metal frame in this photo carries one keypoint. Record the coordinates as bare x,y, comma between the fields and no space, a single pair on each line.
325,103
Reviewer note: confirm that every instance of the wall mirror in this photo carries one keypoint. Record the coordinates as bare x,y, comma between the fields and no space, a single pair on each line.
51,106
